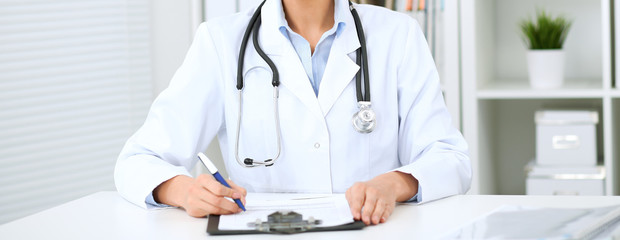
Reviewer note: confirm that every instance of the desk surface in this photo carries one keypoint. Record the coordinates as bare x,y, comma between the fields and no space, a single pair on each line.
106,215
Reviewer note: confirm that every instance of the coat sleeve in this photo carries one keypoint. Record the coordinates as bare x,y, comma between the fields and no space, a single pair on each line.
429,147
182,121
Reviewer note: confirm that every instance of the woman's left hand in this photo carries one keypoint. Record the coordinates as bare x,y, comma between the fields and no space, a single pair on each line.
373,201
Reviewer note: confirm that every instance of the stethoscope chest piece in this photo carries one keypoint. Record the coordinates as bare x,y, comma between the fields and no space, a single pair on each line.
364,121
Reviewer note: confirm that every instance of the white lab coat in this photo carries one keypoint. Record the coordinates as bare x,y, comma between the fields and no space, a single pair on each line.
321,151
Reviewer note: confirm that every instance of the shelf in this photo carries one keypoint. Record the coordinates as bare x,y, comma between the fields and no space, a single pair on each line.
520,89
615,93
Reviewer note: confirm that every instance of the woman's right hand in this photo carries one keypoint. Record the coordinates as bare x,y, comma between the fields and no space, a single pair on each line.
200,196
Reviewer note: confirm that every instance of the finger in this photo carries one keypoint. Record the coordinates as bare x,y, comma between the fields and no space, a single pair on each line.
198,207
356,200
196,212
237,188
195,207
199,196
387,213
242,198
347,195
211,209
216,187
369,207
214,193
220,211
221,203
205,181
380,208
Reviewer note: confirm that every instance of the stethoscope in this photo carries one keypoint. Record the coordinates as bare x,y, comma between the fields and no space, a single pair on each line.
364,121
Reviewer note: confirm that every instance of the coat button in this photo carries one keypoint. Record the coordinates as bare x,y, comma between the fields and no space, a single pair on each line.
317,145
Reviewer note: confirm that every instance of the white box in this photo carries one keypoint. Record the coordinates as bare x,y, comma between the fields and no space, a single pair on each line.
550,180
579,187
566,137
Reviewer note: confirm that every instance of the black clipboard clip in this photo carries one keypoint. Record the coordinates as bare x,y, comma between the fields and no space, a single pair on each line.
285,222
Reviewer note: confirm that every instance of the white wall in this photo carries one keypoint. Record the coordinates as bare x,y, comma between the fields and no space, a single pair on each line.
75,82
171,36
173,26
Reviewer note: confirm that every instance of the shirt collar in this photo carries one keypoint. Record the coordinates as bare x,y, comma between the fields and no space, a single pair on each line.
341,7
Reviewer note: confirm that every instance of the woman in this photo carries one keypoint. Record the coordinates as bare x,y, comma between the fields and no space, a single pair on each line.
412,154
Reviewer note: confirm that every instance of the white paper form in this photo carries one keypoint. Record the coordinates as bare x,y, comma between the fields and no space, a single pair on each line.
332,210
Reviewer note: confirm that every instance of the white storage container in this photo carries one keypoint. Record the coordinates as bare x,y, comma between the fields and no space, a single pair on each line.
566,137
580,187
549,180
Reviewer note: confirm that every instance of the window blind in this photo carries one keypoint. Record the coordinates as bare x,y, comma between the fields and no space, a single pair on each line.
74,85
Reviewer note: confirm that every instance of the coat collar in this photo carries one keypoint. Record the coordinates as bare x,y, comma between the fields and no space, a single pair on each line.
272,16
340,69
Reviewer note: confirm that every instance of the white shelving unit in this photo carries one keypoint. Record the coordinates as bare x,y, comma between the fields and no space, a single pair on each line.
498,104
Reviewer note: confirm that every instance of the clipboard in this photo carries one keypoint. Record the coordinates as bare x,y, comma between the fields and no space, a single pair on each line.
214,220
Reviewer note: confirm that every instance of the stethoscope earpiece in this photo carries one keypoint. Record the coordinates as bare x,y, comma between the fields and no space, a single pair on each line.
248,161
251,163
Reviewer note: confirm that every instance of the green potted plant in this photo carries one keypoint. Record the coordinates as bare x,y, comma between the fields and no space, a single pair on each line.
544,37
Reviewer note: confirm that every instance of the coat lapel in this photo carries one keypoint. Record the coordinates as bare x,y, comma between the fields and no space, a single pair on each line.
340,69
294,78
280,50
339,72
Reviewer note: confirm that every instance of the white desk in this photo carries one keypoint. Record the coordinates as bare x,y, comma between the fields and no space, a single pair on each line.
105,215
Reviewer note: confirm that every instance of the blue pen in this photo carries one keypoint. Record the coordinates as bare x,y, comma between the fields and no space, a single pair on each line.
216,174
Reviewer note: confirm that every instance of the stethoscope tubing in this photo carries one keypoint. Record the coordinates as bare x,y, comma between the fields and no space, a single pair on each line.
363,98
253,28
244,45
363,58
276,114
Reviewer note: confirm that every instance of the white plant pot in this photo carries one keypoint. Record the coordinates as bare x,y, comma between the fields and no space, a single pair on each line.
546,68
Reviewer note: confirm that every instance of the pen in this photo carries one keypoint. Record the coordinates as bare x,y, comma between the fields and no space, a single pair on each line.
216,174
